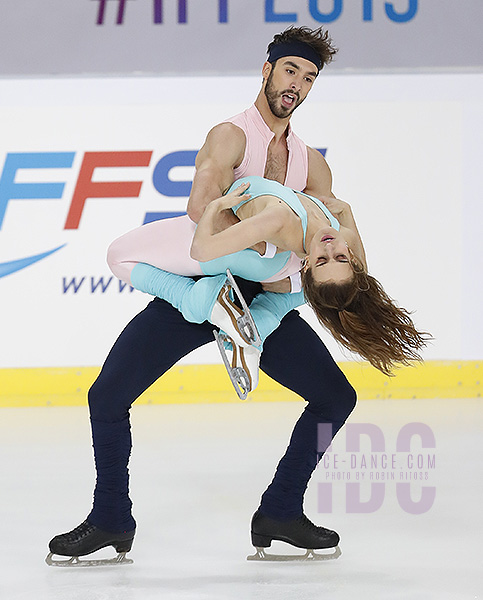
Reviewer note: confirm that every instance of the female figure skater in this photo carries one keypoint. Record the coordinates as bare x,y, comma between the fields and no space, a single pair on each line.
294,232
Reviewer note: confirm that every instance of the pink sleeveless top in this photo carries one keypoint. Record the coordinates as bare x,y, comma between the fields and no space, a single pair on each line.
258,137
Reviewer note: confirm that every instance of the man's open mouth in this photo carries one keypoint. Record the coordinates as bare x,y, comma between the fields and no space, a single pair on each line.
288,100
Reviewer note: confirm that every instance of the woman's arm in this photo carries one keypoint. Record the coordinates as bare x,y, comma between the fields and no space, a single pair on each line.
210,243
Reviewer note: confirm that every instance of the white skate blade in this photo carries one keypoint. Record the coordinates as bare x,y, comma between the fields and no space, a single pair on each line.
238,377
76,561
309,556
245,322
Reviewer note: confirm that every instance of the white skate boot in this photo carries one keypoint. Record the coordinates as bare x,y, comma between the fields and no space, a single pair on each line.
236,322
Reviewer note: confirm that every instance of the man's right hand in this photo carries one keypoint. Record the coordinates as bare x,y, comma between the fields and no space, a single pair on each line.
279,287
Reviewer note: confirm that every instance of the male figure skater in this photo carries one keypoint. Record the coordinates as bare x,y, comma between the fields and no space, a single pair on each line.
259,141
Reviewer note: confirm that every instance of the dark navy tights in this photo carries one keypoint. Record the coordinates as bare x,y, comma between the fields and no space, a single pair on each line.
153,342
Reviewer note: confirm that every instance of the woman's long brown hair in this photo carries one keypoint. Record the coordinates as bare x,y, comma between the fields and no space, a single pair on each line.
364,319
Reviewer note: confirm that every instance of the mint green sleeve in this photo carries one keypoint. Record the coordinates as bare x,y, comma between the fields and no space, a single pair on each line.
269,308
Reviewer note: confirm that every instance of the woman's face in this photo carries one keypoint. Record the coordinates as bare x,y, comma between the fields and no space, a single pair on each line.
328,257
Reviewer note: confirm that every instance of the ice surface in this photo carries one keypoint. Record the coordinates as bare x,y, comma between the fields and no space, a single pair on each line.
197,473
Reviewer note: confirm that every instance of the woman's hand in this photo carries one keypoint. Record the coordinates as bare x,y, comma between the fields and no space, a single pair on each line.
336,206
234,197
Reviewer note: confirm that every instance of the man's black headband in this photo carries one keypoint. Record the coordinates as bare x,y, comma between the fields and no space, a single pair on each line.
295,49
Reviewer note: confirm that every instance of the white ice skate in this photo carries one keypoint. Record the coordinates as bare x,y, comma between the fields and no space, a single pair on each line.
243,367
236,322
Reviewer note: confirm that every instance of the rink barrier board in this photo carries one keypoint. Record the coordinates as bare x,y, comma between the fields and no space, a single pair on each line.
199,384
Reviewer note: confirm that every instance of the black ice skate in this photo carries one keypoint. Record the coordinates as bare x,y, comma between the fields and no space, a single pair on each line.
299,532
86,539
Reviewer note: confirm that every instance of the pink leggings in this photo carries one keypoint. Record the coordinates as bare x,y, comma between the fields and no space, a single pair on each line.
164,244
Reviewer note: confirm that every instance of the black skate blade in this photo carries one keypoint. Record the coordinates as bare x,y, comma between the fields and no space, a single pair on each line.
76,561
309,556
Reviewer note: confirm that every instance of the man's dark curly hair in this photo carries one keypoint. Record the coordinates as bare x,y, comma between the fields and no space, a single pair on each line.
318,39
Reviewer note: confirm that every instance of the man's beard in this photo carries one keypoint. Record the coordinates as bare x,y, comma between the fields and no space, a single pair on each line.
272,96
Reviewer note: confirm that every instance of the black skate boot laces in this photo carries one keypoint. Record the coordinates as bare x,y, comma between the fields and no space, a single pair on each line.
79,532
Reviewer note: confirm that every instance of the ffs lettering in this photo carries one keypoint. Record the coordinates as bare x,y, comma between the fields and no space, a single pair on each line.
86,187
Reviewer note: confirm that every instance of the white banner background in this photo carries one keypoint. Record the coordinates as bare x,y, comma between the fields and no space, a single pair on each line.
403,151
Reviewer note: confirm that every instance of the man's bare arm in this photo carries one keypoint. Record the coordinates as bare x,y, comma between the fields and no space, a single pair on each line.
342,211
222,151
319,184
319,180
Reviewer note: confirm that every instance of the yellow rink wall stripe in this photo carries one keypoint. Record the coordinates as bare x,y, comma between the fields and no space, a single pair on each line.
210,384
